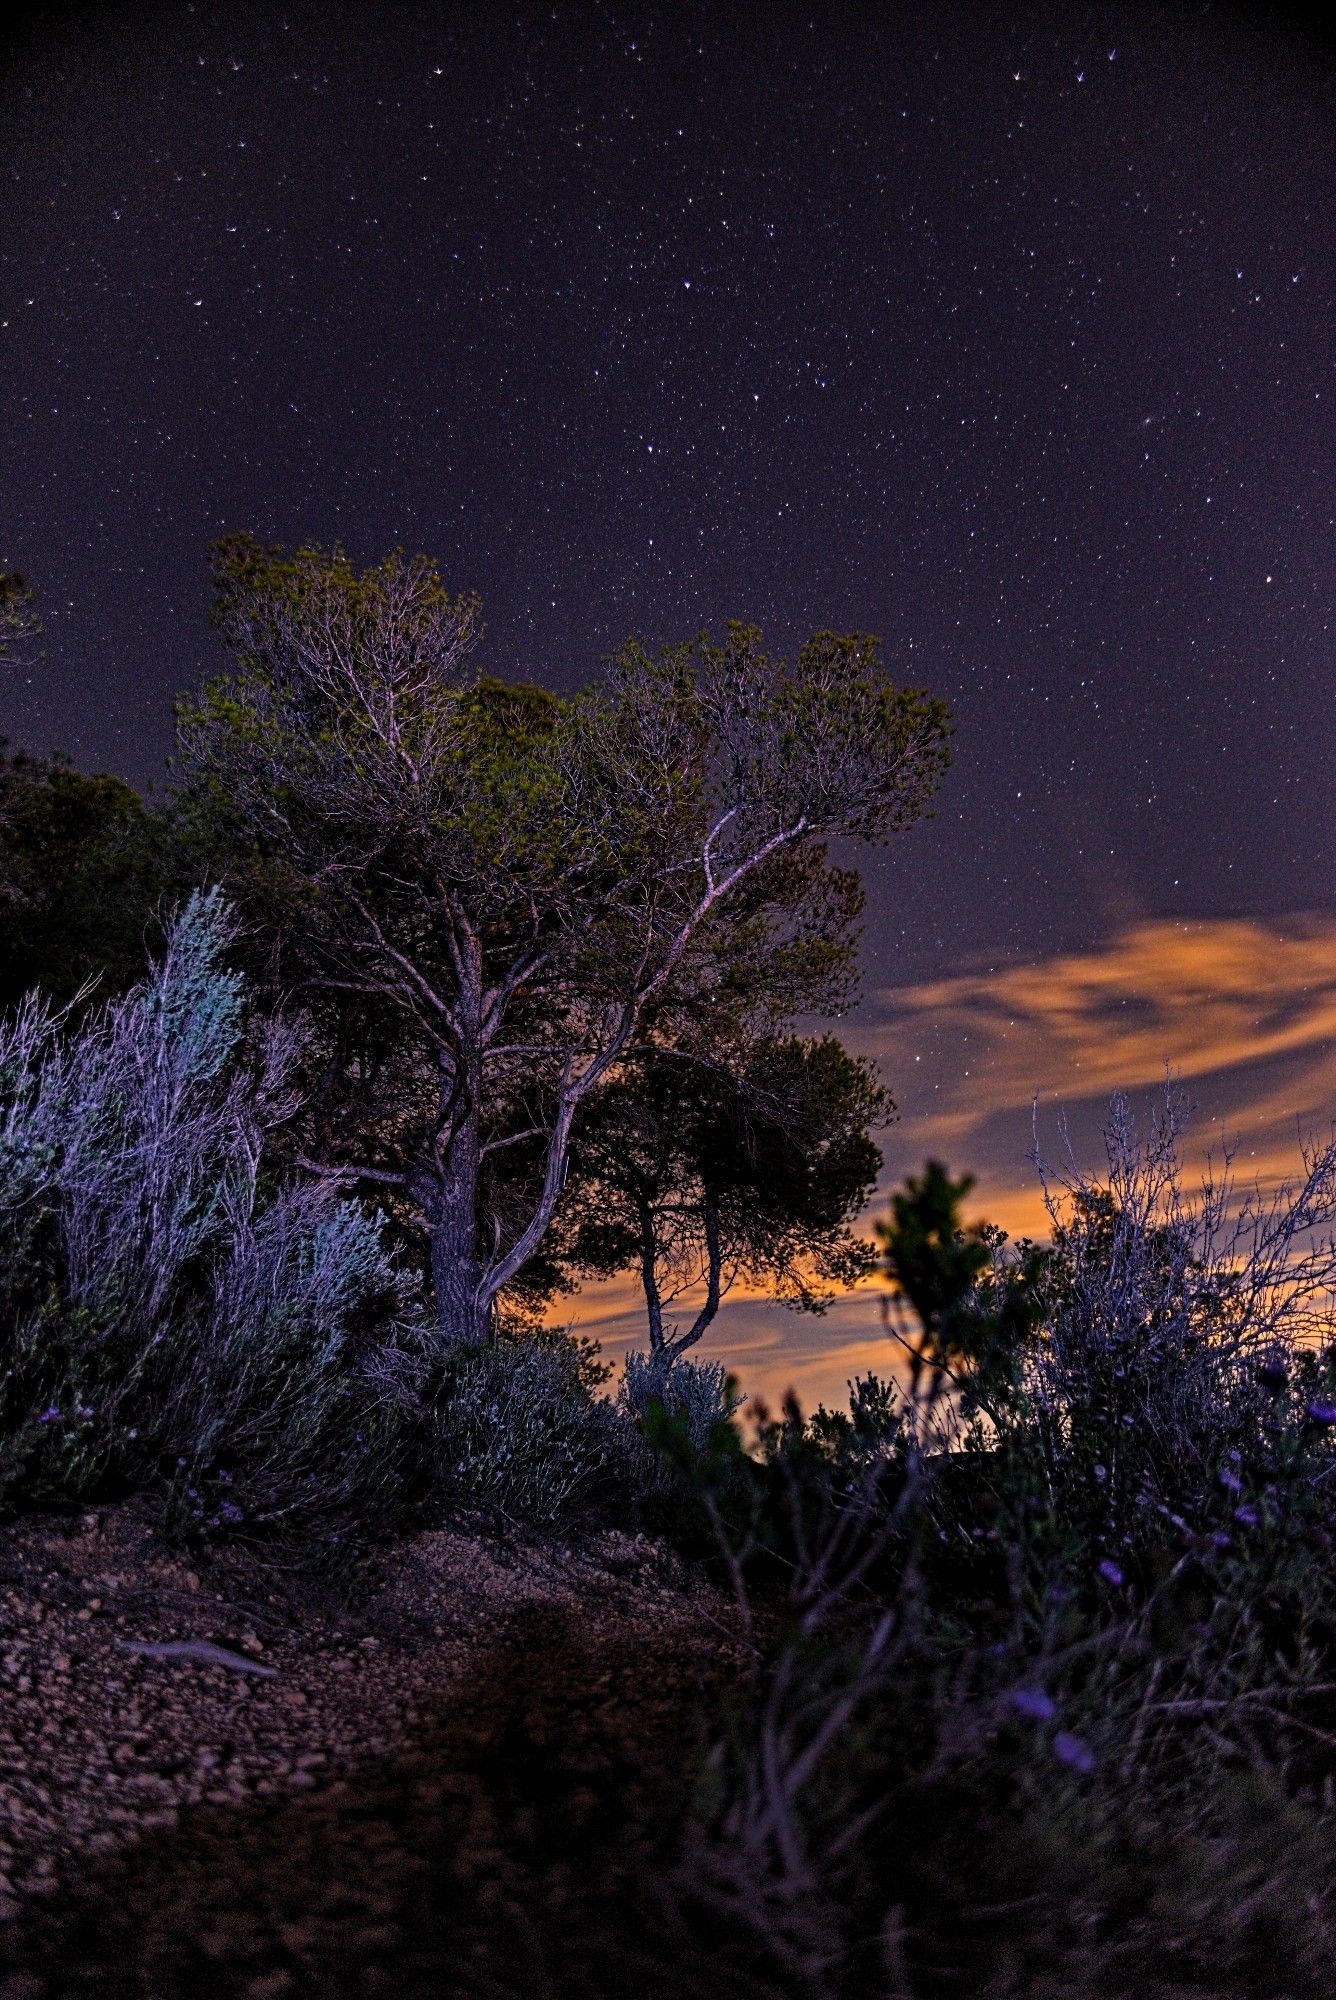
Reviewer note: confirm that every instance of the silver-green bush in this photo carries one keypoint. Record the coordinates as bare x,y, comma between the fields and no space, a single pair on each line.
697,1396
168,1314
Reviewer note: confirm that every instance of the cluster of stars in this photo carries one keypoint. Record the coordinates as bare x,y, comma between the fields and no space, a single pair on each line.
1007,348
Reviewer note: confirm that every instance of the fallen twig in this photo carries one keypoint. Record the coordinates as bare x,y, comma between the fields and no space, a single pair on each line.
203,1650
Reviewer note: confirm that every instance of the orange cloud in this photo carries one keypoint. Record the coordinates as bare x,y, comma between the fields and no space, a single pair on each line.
1242,1011
1205,997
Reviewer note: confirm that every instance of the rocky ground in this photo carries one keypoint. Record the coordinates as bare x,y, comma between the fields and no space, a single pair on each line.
468,1783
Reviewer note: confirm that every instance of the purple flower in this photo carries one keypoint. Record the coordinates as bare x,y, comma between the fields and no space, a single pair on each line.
1072,1751
1033,1704
1231,1481
1322,1413
51,1416
1247,1515
1220,1540
1111,1573
229,1511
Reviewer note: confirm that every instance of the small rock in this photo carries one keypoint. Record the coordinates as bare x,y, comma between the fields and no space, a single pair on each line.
268,1986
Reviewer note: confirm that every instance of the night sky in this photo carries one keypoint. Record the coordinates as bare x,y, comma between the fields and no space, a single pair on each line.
1005,334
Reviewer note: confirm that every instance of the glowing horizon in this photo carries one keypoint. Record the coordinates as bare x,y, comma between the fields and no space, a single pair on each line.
1240,1011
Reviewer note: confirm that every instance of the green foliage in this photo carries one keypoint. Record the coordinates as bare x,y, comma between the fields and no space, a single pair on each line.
491,895
740,1162
84,867
871,1427
976,1306
20,626
935,1262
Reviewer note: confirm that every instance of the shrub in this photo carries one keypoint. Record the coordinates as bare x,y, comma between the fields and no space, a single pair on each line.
694,1397
1182,1336
1043,1648
518,1426
170,1317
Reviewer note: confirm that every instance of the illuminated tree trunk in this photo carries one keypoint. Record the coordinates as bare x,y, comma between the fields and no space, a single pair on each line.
456,1267
461,1310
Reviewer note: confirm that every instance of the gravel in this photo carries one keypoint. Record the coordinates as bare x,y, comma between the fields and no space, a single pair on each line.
488,1711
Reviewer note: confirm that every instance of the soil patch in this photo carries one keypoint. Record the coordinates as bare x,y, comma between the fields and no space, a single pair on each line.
470,1783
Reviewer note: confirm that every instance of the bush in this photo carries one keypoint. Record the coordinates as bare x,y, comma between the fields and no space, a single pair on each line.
170,1317
1043,1645
694,1397
1183,1337
174,1318
518,1426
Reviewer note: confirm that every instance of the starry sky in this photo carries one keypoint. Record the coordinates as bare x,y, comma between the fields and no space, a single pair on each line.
1002,332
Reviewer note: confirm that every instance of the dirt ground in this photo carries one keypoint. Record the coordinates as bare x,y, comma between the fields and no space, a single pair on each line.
469,1784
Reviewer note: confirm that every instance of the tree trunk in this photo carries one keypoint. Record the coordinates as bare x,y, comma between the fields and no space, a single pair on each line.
456,1268
671,1349
650,1285
461,1312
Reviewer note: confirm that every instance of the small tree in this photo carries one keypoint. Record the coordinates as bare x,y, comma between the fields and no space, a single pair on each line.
752,1168
506,887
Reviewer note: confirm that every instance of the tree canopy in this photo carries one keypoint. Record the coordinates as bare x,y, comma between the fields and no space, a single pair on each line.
503,891
84,866
20,625
750,1169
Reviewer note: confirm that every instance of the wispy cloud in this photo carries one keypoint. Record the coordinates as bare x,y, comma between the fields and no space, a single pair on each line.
1242,1011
